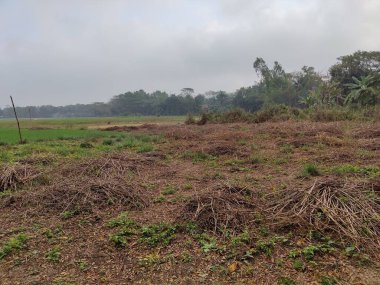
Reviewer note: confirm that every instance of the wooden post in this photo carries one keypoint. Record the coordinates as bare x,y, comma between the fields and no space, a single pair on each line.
18,124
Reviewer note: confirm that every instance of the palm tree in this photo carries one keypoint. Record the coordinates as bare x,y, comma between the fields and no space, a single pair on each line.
363,91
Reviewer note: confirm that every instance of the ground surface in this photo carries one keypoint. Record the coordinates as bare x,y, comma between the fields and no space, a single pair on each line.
131,207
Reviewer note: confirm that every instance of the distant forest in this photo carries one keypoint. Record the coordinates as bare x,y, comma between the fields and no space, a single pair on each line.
354,81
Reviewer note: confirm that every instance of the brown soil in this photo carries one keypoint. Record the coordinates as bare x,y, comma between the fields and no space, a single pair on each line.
222,186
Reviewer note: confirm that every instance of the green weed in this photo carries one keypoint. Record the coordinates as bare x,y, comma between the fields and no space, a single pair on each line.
169,190
298,264
12,244
370,171
310,170
284,280
53,255
325,280
158,234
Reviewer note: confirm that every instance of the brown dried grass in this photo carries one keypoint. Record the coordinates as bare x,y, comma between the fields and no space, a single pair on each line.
91,185
329,205
88,195
15,175
223,208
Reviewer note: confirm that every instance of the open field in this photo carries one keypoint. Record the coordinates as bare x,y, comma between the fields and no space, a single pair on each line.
166,203
68,123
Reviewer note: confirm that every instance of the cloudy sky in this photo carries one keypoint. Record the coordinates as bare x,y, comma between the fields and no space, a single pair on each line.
80,51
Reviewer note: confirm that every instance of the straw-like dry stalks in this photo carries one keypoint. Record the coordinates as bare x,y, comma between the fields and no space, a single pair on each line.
338,206
223,208
13,175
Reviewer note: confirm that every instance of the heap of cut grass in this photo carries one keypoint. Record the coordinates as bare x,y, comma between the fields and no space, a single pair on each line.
16,174
90,186
220,209
329,205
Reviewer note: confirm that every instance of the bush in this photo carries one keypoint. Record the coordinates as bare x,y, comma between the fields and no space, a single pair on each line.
190,120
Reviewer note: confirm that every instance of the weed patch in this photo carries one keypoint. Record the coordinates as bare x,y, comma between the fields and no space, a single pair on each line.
14,243
159,234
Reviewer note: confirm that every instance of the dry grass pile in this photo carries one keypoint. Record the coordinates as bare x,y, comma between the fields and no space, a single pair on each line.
108,167
221,148
88,195
335,206
131,128
223,208
14,175
92,185
367,131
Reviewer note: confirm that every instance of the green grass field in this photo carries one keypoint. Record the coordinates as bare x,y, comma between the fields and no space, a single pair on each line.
74,137
11,136
73,123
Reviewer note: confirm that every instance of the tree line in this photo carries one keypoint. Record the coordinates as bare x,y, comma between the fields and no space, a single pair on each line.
353,81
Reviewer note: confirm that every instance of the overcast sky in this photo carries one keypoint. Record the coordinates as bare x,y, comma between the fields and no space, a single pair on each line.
83,51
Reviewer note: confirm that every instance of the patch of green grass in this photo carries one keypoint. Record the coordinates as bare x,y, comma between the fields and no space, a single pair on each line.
158,234
256,159
310,169
86,145
298,264
243,238
286,148
208,243
284,280
159,199
75,148
326,280
121,220
83,265
198,156
88,122
311,250
169,190
108,142
145,148
10,135
186,257
68,214
369,171
188,186
294,253
350,251
53,233
53,255
120,239
128,229
265,246
12,244
150,260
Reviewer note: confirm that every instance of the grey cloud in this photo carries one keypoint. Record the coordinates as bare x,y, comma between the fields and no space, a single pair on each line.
63,52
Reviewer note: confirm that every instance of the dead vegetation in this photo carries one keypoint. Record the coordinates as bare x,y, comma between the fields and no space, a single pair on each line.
131,128
87,195
220,209
91,185
185,180
329,205
15,175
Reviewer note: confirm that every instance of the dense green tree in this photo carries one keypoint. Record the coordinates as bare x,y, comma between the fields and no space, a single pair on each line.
249,99
358,64
276,85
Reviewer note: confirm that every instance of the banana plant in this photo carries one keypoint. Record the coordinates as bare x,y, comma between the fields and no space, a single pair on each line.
363,91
